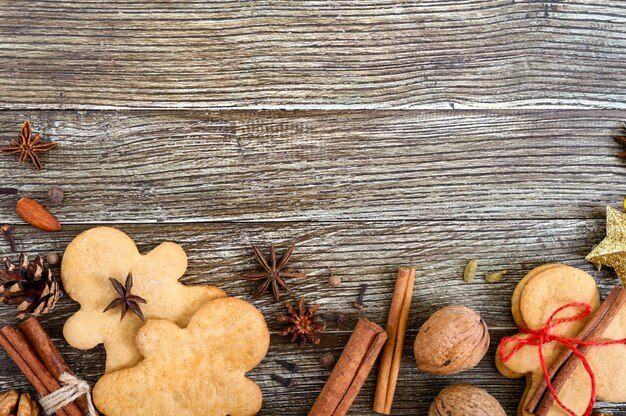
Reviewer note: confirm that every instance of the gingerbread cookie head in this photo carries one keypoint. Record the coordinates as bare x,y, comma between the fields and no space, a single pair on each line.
103,253
536,297
195,371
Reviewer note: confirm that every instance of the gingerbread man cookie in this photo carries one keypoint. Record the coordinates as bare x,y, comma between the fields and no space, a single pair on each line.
536,297
101,253
195,371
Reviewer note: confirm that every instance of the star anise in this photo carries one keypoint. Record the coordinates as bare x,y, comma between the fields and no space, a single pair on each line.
273,274
28,146
621,140
126,299
304,324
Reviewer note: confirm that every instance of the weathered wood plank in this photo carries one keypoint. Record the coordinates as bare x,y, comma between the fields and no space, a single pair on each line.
172,166
312,54
361,253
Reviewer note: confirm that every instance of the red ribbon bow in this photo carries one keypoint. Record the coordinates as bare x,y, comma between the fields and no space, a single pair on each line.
544,336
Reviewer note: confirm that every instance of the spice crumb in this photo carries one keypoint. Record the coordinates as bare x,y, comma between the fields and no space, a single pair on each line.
283,381
495,277
292,367
470,270
358,305
55,195
8,235
334,280
327,360
52,258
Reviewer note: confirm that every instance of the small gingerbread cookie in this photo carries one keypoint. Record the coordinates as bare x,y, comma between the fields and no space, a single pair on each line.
194,371
538,295
101,253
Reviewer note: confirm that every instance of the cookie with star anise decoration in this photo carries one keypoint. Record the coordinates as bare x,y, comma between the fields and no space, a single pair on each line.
28,146
126,298
274,273
101,253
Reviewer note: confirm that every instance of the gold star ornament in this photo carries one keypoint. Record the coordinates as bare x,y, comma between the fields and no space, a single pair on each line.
611,251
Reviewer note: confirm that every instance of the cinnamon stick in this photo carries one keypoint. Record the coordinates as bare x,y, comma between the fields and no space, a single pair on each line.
26,354
25,369
396,331
564,366
48,353
351,370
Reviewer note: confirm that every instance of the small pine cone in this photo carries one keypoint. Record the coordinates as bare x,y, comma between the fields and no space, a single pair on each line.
14,404
31,286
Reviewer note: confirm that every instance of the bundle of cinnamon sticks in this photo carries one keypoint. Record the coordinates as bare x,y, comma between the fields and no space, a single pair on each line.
565,365
39,360
351,370
362,350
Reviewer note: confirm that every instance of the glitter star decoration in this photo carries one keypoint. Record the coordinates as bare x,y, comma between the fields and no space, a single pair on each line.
611,251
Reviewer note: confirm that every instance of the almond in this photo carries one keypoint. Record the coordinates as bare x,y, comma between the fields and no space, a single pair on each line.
36,215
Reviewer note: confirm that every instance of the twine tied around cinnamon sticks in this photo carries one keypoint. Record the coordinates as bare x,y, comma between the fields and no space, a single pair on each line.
32,350
72,389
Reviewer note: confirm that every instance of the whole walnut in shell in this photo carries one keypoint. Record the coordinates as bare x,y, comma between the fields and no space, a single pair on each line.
465,400
452,340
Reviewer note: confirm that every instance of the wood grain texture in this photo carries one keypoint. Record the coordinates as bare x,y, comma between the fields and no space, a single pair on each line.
191,166
312,54
361,253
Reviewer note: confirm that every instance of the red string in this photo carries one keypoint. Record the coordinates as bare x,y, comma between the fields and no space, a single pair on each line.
543,336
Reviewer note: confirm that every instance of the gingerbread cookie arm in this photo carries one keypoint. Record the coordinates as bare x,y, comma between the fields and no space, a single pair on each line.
150,337
80,333
232,315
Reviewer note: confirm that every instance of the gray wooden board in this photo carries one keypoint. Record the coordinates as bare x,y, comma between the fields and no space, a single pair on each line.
361,253
361,187
312,54
196,166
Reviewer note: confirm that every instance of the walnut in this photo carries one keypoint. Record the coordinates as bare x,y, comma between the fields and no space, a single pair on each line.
452,340
13,403
463,400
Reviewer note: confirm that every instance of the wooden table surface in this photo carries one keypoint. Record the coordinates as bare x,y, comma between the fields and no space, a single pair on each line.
373,133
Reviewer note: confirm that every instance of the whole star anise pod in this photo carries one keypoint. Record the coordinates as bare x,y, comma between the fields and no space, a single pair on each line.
304,324
28,146
126,299
273,274
29,285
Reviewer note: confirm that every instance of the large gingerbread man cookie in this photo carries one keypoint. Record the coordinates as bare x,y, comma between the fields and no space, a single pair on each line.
101,253
195,371
543,291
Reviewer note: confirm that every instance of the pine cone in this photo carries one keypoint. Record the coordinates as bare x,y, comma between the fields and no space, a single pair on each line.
30,286
14,404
